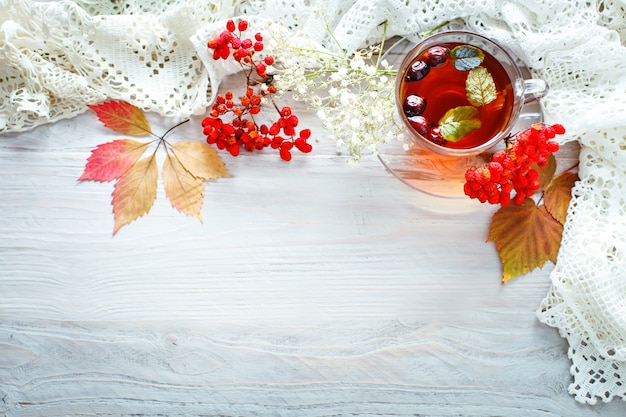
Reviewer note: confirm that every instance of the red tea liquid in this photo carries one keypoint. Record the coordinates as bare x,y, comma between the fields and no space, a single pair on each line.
443,88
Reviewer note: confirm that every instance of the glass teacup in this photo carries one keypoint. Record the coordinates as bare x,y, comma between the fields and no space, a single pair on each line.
461,94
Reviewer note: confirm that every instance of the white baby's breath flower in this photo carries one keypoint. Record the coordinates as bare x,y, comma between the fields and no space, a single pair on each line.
345,98
357,62
353,97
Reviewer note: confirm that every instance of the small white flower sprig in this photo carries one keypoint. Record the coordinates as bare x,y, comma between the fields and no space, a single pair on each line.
354,95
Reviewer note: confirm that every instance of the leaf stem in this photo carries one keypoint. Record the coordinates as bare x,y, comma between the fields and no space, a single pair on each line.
571,168
540,199
172,128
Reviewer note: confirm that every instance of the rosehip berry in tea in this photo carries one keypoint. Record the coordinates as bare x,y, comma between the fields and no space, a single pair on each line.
434,135
437,55
420,124
417,71
414,105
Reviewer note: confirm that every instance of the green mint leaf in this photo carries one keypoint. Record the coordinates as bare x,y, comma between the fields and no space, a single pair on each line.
481,90
458,122
466,57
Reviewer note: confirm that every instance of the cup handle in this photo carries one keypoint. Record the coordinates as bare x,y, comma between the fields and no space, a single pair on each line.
534,89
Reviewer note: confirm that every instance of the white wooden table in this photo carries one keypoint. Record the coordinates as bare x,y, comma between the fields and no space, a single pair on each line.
311,289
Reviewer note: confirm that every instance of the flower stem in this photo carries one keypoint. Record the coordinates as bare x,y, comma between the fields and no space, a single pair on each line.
433,30
332,36
382,45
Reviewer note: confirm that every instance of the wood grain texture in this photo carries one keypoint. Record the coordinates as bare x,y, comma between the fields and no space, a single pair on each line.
311,289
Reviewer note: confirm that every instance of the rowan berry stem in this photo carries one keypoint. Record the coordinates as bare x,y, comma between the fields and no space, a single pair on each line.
243,130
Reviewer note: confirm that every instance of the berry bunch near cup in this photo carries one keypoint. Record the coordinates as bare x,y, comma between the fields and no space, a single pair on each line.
511,171
232,123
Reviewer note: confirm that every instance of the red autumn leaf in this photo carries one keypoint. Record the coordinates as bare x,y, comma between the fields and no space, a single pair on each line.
122,117
526,236
110,160
558,194
135,192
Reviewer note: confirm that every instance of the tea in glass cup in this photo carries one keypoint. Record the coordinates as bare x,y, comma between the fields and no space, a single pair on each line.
460,94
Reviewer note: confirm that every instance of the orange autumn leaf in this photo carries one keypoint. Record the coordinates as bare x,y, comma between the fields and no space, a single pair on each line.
110,160
201,160
122,117
526,236
558,194
135,192
184,190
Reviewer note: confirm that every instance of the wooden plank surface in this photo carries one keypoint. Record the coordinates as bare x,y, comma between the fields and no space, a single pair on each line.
311,289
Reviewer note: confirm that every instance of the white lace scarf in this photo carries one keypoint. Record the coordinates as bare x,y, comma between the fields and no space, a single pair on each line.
58,56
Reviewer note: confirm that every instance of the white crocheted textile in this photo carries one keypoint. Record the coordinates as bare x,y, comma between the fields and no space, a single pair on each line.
56,57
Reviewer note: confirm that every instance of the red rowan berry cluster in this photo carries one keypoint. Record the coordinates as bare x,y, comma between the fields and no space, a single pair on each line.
232,125
510,170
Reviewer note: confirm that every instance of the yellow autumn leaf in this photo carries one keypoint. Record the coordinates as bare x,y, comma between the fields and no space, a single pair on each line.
135,192
200,159
480,87
526,237
184,190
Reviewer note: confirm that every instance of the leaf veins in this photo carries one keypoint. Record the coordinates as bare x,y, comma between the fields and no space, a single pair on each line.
558,193
184,190
480,87
201,160
466,57
526,236
458,122
110,160
122,117
135,192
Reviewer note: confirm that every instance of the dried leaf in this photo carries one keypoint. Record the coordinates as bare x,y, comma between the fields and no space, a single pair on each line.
122,117
184,190
526,236
458,122
200,159
110,160
558,193
466,57
135,192
481,90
